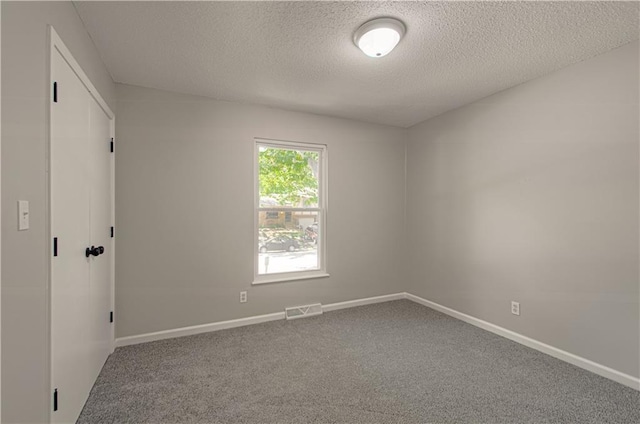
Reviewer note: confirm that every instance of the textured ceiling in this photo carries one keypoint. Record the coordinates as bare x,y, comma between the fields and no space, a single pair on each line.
300,55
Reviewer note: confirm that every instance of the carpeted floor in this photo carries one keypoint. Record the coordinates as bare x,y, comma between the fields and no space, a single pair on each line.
394,362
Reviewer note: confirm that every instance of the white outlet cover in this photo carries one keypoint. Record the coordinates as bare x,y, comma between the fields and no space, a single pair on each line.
515,308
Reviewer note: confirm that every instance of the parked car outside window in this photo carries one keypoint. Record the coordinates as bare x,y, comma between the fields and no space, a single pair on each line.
279,243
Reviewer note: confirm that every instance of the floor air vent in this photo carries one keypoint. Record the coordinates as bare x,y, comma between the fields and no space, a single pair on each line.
303,311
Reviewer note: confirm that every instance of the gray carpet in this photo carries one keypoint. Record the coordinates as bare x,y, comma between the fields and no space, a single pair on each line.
394,362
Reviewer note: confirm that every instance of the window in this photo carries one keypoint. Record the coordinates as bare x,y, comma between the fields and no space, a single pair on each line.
272,215
290,212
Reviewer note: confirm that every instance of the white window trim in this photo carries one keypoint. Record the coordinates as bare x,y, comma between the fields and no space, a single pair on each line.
321,272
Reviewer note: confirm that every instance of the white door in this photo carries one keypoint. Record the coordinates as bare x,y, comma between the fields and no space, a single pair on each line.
100,222
80,193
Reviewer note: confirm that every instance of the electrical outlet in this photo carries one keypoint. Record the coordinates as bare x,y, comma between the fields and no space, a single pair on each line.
243,296
515,308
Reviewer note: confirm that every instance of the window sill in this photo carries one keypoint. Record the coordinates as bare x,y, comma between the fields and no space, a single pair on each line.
285,278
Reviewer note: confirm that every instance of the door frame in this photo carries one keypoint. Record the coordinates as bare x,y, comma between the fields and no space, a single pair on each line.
57,45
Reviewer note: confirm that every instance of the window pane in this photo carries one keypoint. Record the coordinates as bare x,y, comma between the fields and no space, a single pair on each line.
288,177
288,246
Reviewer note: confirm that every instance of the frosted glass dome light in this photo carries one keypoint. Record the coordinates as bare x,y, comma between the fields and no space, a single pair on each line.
378,37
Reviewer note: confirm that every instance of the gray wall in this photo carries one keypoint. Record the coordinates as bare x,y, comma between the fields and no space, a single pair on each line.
25,371
532,195
184,209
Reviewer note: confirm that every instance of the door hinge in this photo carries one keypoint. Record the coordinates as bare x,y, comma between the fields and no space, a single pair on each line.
55,246
112,232
111,145
55,92
111,316
55,400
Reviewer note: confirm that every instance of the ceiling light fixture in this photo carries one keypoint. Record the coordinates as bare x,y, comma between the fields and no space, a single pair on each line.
378,37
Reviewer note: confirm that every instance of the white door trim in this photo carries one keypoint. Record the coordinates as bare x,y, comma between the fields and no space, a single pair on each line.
57,45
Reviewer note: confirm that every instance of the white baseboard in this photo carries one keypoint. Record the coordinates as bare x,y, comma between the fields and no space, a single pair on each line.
576,360
361,302
197,329
241,322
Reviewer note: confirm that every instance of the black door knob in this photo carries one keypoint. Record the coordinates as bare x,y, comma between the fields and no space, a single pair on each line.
93,250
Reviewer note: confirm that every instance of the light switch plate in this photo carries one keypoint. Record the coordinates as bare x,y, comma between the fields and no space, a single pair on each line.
23,215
